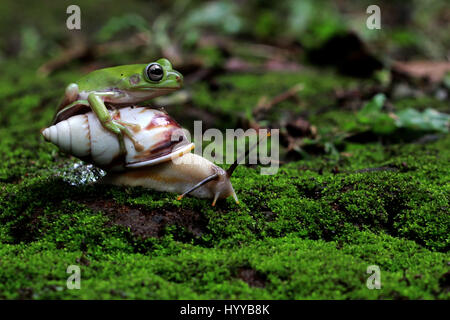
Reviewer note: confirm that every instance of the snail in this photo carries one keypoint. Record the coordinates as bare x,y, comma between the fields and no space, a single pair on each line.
164,163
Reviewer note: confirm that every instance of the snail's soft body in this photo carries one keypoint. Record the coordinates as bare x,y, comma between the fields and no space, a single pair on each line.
164,164
177,176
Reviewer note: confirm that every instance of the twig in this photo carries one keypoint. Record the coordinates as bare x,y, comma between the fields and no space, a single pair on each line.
77,50
80,49
265,105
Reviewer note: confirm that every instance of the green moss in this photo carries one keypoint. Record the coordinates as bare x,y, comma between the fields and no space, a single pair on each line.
287,267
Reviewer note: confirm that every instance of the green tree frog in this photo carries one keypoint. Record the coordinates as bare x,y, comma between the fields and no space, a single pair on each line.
117,87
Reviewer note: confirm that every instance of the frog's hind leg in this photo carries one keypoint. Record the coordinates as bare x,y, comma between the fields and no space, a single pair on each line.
72,91
107,121
69,110
70,95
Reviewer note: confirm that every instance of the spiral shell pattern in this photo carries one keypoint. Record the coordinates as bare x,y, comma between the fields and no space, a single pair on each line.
83,136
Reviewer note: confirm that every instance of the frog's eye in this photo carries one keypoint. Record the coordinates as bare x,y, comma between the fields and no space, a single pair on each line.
154,72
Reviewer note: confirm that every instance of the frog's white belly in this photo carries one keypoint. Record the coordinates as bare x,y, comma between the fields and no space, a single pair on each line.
126,97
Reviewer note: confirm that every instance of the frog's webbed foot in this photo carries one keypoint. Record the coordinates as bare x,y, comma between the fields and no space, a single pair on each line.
112,122
124,129
121,131
133,126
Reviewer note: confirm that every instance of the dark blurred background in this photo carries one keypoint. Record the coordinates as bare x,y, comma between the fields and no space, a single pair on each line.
211,33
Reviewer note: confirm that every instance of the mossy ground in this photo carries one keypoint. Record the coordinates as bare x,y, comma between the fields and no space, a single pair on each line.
308,232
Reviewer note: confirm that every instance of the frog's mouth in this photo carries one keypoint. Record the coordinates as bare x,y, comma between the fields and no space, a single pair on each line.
169,88
165,87
150,93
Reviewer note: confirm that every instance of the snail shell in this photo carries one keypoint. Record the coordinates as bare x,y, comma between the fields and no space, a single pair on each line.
84,137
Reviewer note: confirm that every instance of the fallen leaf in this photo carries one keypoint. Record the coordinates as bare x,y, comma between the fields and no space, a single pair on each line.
431,70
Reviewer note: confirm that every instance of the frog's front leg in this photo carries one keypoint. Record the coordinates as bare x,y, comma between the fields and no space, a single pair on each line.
116,117
98,106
